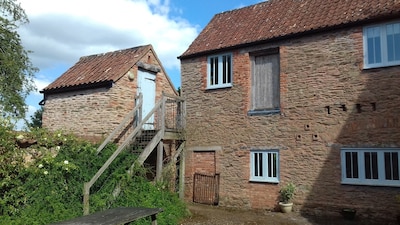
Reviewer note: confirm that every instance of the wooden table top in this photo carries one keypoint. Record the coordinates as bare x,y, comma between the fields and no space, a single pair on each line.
113,216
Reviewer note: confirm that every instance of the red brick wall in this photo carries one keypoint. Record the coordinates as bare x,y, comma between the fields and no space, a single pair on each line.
315,72
204,162
201,161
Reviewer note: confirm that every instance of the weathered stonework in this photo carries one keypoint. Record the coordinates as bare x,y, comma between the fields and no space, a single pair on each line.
94,113
316,72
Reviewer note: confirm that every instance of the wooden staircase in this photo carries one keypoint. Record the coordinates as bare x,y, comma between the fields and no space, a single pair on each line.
143,140
167,119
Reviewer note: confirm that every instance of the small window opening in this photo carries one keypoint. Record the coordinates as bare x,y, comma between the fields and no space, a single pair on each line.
358,107
373,105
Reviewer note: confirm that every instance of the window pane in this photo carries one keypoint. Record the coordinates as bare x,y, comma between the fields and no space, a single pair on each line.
229,72
371,165
395,165
374,165
391,165
258,165
396,47
390,43
275,165
272,163
396,41
348,165
367,161
377,50
212,70
216,71
393,41
374,45
388,166
351,164
355,164
269,160
226,70
370,43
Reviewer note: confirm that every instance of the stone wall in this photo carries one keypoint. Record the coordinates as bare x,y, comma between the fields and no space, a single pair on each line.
316,72
94,113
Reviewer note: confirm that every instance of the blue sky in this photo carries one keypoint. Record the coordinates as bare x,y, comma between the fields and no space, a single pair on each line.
61,31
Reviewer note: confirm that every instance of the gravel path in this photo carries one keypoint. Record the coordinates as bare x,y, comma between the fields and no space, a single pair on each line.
215,215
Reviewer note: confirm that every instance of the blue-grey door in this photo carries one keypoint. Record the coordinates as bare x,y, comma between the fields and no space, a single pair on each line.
147,86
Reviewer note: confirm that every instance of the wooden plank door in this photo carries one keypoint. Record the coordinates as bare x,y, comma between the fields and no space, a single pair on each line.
147,86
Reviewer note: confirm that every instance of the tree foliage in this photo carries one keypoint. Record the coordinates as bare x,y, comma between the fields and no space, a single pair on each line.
36,119
16,69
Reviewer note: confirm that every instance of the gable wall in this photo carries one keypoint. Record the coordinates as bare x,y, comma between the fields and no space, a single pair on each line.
315,72
91,114
94,113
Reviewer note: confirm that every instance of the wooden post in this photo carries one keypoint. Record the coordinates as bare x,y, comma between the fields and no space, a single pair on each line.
86,193
153,219
162,117
159,165
182,176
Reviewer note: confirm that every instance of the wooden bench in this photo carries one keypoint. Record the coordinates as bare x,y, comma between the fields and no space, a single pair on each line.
115,216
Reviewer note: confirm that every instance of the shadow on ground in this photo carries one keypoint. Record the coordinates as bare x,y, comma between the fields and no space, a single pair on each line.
215,215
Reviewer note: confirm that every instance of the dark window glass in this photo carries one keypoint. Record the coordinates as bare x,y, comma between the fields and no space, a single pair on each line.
229,73
270,163
351,164
212,70
258,164
355,164
216,71
275,166
391,165
371,165
224,69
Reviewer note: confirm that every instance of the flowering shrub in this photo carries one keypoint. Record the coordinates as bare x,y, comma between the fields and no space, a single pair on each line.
49,188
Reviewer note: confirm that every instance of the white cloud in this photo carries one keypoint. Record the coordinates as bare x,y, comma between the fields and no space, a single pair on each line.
61,31
40,84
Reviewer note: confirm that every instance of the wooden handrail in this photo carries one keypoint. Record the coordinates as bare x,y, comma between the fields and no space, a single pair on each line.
174,96
88,185
161,103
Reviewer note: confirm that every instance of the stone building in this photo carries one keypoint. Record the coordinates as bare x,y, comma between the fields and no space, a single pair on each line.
296,91
92,97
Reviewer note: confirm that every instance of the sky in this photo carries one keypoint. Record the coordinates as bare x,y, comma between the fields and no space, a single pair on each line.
62,31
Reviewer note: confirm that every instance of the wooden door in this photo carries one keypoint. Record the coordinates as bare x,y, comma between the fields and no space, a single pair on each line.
147,86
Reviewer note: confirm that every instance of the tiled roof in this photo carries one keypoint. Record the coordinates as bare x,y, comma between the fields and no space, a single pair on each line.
281,18
93,69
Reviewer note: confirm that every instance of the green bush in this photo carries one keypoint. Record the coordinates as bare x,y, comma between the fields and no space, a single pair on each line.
49,189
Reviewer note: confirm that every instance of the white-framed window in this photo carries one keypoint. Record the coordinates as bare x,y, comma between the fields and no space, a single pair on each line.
264,166
375,167
219,71
382,45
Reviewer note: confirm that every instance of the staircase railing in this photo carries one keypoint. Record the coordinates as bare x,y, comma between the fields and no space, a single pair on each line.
129,119
166,115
